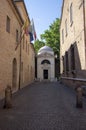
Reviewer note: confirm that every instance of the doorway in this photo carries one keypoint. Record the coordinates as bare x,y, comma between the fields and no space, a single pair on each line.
45,73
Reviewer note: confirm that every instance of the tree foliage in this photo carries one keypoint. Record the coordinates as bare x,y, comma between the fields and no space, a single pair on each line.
38,44
52,36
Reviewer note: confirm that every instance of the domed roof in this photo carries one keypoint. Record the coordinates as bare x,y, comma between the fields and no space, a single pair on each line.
45,49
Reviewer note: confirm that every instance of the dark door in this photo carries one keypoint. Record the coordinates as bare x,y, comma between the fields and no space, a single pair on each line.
45,74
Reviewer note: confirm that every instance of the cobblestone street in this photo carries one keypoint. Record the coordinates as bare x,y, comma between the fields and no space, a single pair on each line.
44,106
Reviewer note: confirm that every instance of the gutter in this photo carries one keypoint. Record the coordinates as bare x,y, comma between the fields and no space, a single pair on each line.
17,11
24,7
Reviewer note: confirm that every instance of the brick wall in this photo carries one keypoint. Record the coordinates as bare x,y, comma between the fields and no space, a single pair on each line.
7,50
74,36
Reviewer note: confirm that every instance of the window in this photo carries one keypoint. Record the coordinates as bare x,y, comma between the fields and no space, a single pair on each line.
45,61
72,58
62,35
71,13
17,35
67,62
8,24
66,30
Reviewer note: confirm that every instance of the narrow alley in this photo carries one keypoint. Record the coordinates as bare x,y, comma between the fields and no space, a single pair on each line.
44,106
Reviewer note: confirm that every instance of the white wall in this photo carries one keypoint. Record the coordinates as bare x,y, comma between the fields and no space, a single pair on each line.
49,67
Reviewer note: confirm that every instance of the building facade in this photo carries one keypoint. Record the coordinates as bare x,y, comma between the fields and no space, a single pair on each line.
46,64
73,42
15,48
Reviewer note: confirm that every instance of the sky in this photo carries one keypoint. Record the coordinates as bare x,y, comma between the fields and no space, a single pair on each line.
43,12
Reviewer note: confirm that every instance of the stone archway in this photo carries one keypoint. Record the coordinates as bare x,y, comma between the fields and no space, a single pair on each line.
14,73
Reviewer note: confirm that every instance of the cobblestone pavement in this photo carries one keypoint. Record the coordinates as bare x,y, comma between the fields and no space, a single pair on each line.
44,106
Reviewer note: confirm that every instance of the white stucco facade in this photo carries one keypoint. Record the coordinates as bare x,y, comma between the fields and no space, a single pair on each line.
46,64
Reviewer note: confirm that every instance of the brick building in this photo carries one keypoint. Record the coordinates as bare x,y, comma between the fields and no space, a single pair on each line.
16,64
73,42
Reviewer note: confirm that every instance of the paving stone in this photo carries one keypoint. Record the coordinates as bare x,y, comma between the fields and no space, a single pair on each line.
44,106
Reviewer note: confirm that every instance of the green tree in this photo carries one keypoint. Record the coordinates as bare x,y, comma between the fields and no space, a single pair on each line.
38,44
51,36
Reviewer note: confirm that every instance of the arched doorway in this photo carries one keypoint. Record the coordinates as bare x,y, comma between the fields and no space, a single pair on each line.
14,73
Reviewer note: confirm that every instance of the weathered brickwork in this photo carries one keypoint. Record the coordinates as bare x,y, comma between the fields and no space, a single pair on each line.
9,57
73,31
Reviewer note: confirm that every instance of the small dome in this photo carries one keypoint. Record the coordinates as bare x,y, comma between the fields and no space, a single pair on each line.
45,49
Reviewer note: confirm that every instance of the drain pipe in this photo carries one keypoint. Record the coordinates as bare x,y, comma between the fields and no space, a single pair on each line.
84,29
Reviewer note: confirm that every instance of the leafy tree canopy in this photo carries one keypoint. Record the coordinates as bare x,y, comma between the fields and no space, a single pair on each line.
51,37
38,44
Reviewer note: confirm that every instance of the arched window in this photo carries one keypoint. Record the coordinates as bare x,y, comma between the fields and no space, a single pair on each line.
45,61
